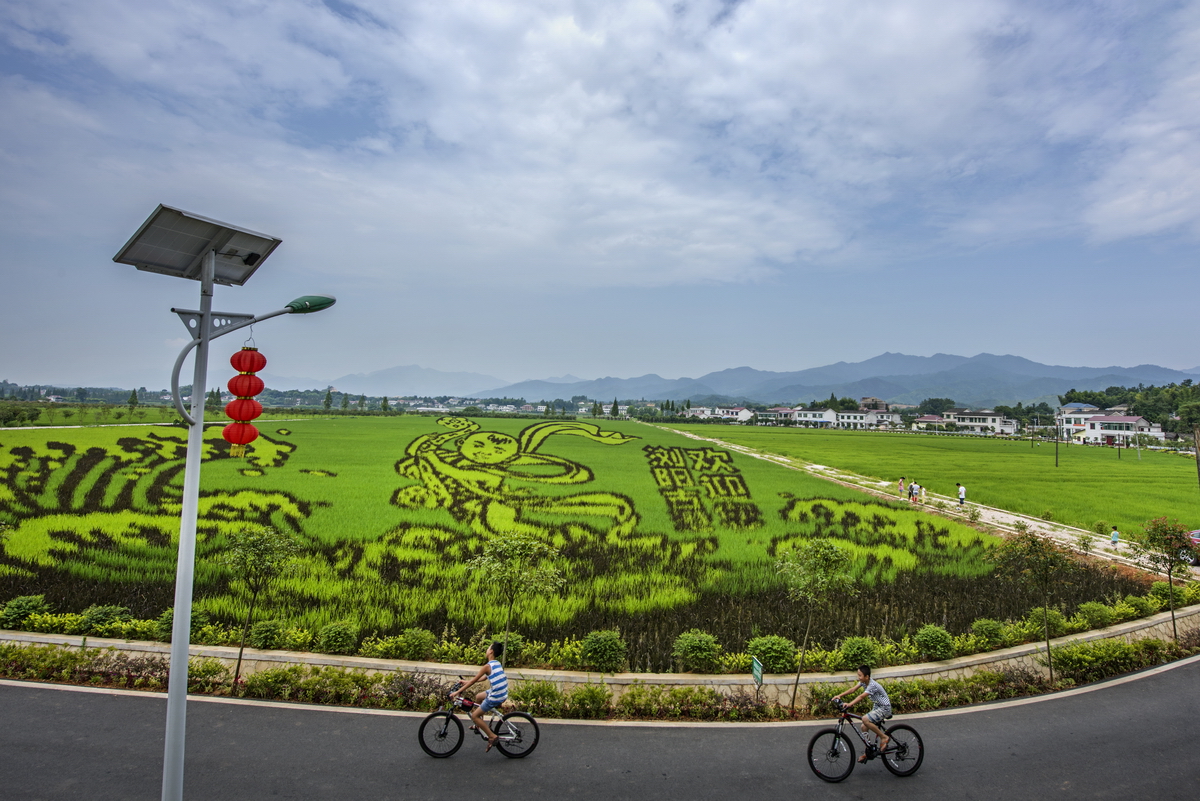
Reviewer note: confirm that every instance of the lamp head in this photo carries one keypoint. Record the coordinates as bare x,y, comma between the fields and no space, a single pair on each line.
311,303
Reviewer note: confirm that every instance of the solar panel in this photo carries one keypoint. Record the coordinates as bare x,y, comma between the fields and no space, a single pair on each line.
173,242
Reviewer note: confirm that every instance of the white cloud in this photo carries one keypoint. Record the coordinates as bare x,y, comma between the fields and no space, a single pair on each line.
629,143
1150,185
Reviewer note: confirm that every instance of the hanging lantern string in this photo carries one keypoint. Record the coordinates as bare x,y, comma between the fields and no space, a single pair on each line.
250,343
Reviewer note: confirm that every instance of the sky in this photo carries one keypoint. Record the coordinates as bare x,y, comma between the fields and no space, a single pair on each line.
538,188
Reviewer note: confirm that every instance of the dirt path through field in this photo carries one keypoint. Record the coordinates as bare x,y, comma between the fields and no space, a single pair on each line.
1069,536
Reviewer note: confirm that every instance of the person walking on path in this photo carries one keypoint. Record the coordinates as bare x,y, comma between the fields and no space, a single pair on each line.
921,499
901,486
913,489
962,494
1115,538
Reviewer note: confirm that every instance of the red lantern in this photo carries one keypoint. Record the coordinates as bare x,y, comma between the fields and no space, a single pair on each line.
239,435
245,385
243,409
248,360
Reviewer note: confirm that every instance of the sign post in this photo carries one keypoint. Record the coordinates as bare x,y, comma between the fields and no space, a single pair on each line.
756,671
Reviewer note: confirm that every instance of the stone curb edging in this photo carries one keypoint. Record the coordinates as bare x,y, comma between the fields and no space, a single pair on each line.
776,687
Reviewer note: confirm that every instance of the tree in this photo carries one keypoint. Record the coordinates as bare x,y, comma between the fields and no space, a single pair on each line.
1165,548
514,563
616,410
935,406
1189,417
256,557
133,401
362,402
103,411
328,402
814,571
212,401
345,402
81,394
383,405
1027,558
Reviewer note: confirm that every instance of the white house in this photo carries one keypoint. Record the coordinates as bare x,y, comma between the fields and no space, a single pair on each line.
738,414
854,419
882,419
815,418
702,412
1118,429
980,421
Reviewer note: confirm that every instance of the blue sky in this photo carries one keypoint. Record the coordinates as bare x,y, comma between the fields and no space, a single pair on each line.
527,189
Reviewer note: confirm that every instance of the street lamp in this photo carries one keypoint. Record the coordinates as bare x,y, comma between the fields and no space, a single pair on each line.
177,243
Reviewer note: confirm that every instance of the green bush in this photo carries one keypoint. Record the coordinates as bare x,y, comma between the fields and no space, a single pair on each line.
935,642
588,701
1162,591
1037,623
736,662
855,651
1145,605
1098,615
777,654
990,631
538,698
295,639
412,644
200,619
52,623
97,617
1191,593
513,649
1093,661
604,651
697,650
264,634
17,609
339,637
921,695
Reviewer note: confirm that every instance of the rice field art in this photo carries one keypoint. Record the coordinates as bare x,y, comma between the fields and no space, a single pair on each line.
656,534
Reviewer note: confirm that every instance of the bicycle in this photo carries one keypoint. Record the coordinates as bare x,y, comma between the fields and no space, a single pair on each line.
441,733
831,753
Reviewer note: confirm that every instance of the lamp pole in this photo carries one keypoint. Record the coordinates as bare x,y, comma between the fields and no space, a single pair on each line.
181,621
180,244
202,325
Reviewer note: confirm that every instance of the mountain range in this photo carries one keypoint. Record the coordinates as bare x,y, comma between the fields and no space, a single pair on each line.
977,381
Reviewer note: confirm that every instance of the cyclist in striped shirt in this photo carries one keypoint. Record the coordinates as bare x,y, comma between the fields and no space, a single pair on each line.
494,696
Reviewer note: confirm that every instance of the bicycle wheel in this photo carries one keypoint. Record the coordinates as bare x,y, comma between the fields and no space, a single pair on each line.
831,755
518,734
905,752
440,734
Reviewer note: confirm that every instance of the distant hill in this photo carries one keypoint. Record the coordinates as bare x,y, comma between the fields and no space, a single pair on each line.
977,381
408,380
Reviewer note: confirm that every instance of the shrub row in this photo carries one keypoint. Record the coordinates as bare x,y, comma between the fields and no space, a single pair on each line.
1082,662
604,650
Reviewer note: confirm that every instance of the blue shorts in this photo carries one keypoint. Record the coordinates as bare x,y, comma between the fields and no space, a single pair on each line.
490,703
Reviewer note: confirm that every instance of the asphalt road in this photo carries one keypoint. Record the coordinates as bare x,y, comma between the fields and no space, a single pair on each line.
1128,740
